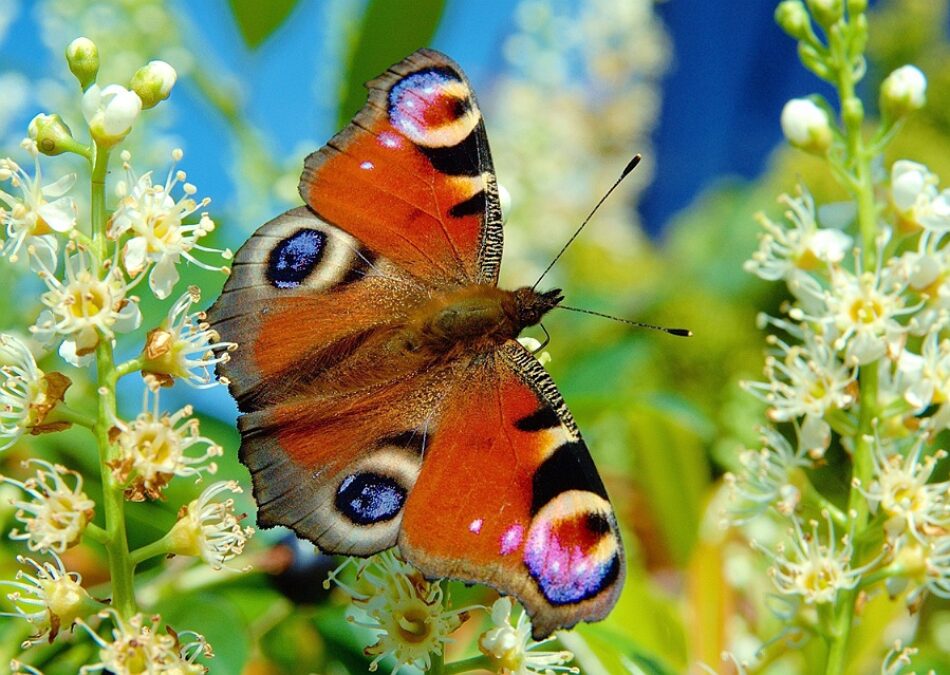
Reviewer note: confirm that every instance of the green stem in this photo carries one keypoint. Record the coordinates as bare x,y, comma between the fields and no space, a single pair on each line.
468,665
63,413
130,366
156,548
97,533
116,542
859,157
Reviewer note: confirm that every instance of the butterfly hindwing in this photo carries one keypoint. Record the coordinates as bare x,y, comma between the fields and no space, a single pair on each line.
508,496
338,469
411,176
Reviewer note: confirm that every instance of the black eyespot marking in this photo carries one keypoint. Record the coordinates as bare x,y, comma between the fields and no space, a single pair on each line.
410,440
294,258
369,498
597,523
460,159
540,419
567,468
474,205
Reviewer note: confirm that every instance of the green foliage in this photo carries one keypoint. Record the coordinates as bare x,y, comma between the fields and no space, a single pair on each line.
258,20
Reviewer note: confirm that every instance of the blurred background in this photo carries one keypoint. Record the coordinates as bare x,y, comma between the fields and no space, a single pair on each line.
570,90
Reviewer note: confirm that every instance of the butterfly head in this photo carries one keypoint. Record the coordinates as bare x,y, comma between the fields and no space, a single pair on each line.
531,305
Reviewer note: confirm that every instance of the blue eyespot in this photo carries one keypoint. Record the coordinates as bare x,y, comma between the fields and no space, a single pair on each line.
295,257
369,498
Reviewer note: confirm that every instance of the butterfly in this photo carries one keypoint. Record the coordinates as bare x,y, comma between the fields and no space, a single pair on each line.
385,398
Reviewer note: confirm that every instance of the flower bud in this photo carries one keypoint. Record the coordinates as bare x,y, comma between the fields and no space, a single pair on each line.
806,125
857,7
903,91
110,112
826,12
153,83
82,55
51,134
792,17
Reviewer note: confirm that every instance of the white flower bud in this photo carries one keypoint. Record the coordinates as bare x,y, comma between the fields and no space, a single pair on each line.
153,83
792,17
903,91
82,55
51,134
806,125
110,112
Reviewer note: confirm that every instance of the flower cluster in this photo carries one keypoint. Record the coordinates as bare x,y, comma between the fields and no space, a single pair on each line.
90,264
859,360
155,447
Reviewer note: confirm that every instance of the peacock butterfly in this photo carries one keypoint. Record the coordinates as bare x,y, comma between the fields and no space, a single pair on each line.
385,398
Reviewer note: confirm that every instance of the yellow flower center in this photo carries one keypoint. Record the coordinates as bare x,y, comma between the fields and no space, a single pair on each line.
866,311
87,300
414,622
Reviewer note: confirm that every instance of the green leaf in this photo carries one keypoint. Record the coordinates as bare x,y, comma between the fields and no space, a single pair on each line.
257,20
390,31
218,620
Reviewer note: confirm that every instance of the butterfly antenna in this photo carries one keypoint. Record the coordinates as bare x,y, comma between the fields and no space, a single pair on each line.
681,332
631,165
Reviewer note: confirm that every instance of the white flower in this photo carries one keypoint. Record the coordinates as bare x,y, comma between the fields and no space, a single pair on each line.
185,346
110,112
84,306
154,448
901,490
917,199
800,245
861,313
210,529
806,125
26,394
766,478
57,513
812,570
513,651
142,646
155,221
925,379
407,612
50,598
32,217
904,91
806,379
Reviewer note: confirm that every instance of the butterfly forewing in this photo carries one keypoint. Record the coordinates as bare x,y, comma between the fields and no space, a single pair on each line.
412,175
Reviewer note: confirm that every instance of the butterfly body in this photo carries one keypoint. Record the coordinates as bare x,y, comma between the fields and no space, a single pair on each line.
385,398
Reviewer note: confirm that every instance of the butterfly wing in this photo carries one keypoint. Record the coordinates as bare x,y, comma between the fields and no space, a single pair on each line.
304,296
508,496
411,176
